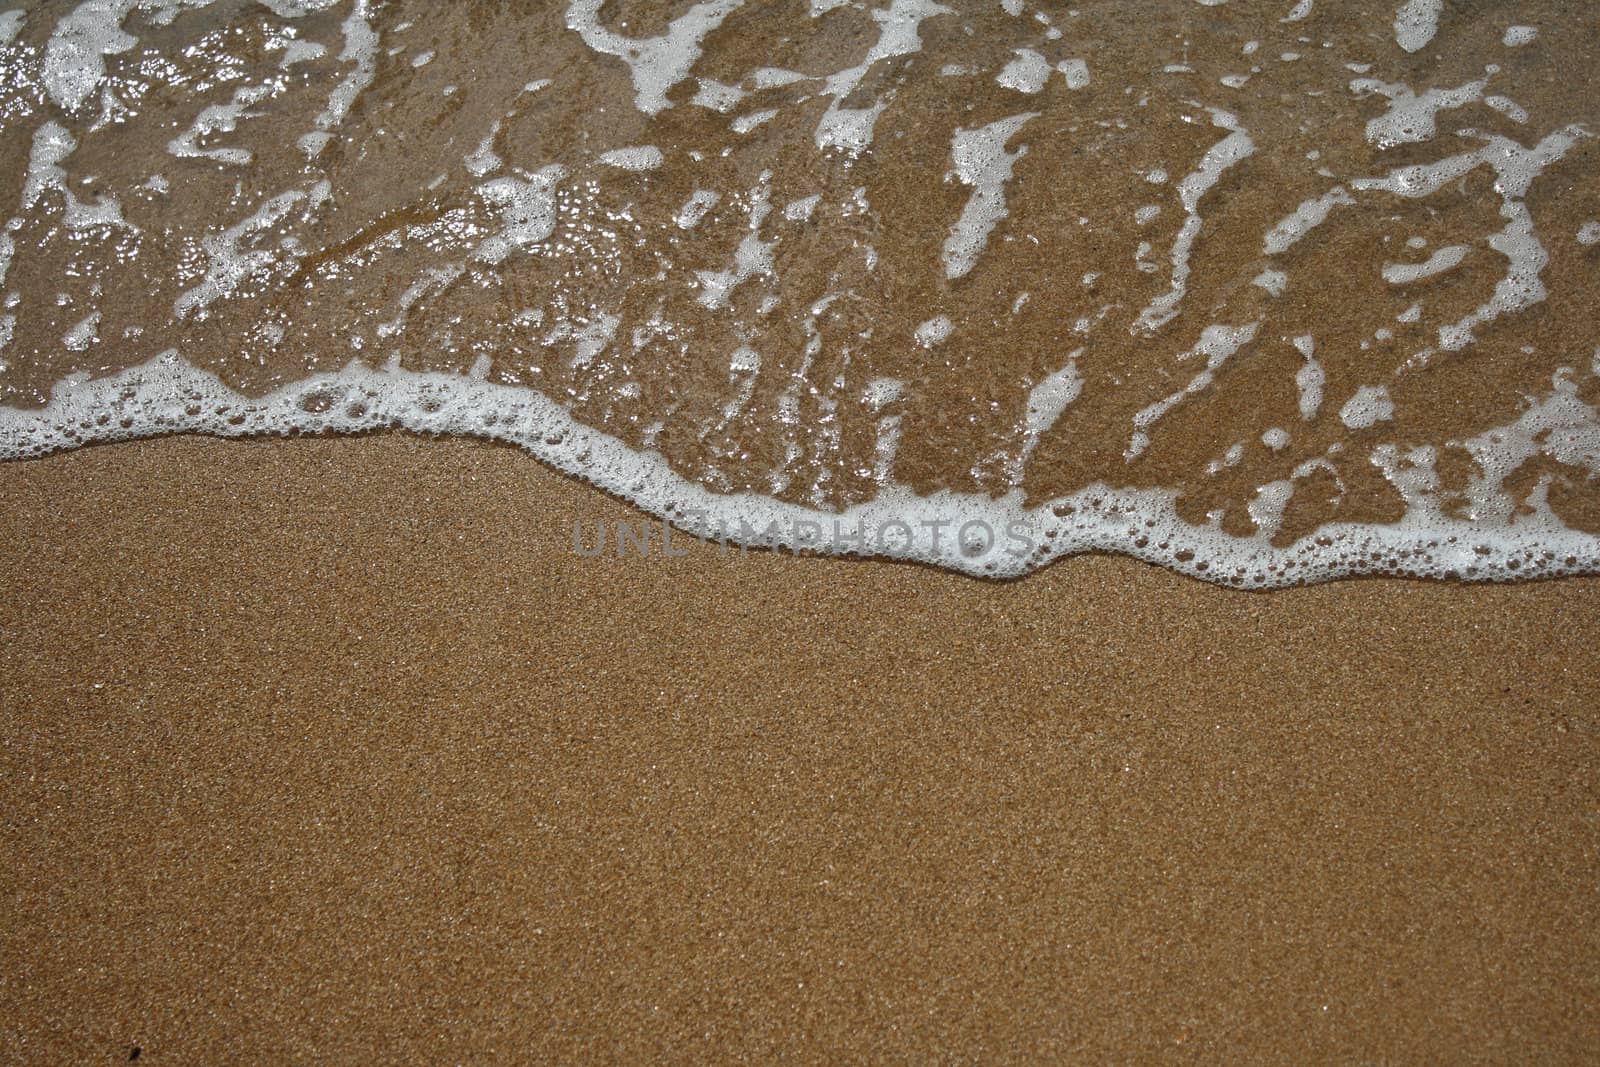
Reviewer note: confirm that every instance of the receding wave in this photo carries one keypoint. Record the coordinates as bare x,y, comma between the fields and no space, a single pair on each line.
1264,292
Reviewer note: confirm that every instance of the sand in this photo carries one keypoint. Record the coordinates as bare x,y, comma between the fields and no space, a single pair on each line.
332,750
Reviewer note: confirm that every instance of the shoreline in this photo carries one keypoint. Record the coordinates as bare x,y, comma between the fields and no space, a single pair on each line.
329,748
168,396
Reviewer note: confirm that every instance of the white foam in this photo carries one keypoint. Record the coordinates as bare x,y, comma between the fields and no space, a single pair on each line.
597,335
293,9
1047,400
655,63
298,51
715,96
432,279
899,34
1367,407
75,53
361,49
219,118
1516,167
1412,119
694,209
752,257
745,123
1445,259
1559,426
1589,233
881,392
1266,508
1026,73
636,158
1274,282
11,25
527,211
1517,36
1309,379
52,144
1076,72
934,331
775,77
1508,107
1299,11
801,210
1416,23
227,265
982,162
168,395
484,160
1229,151
85,333
1218,344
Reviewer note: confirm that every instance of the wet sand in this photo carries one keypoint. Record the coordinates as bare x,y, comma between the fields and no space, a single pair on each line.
332,750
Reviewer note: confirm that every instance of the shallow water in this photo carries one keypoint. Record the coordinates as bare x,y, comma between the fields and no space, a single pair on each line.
1267,292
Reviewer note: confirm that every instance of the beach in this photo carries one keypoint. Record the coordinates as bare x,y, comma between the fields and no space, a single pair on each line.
827,531
334,750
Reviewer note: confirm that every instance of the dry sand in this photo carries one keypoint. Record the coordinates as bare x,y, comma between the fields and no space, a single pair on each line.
332,750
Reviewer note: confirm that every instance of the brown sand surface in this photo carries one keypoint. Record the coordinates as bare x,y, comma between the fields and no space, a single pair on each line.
332,750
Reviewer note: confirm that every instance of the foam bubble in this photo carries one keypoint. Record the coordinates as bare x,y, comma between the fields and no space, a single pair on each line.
1509,108
656,63
934,331
981,161
745,123
694,209
1416,23
1229,151
1217,343
227,264
85,333
899,34
1047,400
636,158
527,211
11,25
1309,379
220,118
1367,407
1076,72
1445,259
167,395
360,49
1412,118
1026,73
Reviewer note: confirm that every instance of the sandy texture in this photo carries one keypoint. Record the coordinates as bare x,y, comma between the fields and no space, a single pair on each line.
333,751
